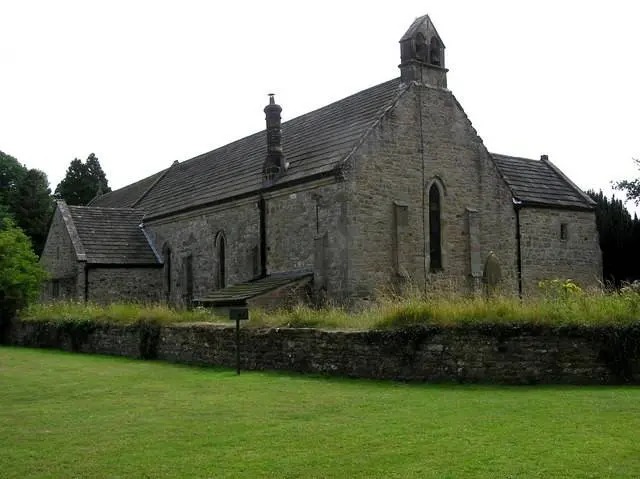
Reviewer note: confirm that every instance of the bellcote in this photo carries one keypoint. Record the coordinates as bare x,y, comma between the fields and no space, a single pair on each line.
422,54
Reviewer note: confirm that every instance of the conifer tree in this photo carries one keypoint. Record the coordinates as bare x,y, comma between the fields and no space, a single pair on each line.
619,240
83,181
26,198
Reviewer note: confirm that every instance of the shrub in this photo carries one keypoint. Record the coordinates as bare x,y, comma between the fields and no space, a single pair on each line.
20,273
559,289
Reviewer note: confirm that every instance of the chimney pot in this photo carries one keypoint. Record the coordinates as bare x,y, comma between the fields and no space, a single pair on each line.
544,157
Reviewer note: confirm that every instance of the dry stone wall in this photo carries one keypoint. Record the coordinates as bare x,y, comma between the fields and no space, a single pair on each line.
485,354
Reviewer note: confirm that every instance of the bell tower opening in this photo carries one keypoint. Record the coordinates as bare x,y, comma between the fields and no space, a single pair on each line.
434,52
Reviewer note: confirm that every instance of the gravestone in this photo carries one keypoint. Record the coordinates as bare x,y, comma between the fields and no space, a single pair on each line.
492,273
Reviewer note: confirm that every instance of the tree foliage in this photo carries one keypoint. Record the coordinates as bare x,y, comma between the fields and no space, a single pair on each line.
631,187
11,174
83,181
619,239
26,198
20,273
33,207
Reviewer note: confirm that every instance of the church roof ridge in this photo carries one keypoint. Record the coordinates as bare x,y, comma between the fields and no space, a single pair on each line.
110,208
129,194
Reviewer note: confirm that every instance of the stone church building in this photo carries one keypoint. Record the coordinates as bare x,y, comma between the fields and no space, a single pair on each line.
386,188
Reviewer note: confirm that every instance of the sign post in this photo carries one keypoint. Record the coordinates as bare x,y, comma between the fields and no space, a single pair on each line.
238,314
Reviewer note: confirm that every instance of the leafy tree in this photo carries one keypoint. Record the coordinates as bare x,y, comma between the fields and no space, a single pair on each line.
632,187
83,181
619,239
20,273
26,198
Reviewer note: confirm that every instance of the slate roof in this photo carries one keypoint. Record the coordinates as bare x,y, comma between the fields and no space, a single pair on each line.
539,182
112,235
314,143
128,196
242,292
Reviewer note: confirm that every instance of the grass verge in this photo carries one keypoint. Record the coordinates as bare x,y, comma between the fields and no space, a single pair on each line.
65,415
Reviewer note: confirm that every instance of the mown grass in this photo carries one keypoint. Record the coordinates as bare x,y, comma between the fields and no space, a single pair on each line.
557,307
65,415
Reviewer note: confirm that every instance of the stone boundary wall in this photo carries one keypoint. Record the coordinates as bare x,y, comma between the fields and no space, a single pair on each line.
498,354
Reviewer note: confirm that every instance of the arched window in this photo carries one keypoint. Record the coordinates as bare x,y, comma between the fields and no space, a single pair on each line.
221,246
166,259
188,280
435,52
435,232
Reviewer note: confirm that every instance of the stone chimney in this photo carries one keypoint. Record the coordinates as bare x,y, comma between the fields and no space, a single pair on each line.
274,165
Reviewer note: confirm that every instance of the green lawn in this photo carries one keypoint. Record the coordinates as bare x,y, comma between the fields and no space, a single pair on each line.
65,415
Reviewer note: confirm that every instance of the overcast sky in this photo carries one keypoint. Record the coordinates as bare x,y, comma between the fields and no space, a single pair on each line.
144,83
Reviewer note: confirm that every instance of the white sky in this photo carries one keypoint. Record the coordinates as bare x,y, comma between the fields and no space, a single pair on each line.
144,83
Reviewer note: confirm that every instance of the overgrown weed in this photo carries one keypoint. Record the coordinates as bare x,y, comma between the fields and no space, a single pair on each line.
561,303
120,313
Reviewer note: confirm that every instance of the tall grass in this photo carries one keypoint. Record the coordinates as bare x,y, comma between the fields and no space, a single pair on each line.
557,306
120,313
402,312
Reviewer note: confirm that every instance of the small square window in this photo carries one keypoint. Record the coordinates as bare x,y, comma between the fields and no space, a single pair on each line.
564,231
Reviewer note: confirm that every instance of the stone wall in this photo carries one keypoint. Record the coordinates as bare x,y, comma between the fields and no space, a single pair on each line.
546,255
299,217
59,260
119,284
348,232
487,354
197,234
295,217
397,165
